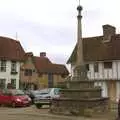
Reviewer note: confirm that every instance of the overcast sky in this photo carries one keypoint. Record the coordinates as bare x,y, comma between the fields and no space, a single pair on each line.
51,26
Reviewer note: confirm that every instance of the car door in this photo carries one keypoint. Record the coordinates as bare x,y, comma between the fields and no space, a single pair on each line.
6,97
1,97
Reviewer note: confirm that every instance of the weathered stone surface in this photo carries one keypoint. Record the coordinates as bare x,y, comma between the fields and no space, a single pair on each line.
80,98
78,106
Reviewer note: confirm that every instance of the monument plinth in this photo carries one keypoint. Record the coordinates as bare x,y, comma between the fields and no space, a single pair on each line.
80,97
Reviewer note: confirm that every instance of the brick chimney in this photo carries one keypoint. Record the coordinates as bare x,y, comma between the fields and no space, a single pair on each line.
108,32
42,54
29,54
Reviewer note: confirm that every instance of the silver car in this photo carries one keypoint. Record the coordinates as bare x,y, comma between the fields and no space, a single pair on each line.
46,95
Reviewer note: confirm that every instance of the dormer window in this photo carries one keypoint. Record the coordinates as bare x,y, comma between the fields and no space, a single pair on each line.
3,66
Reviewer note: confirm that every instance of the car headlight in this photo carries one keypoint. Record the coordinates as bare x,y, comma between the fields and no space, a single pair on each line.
18,100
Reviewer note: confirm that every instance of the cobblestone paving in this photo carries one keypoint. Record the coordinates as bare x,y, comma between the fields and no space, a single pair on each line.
32,113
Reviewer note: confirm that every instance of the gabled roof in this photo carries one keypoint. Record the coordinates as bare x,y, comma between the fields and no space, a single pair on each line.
73,56
44,65
10,49
94,49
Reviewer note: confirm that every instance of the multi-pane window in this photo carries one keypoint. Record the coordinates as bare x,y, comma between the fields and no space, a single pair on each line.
13,83
96,67
2,83
28,72
13,66
3,66
107,64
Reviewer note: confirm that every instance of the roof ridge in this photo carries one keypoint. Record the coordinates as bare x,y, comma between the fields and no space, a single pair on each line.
9,38
92,37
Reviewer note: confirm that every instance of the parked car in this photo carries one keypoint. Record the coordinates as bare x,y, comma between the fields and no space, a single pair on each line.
45,97
14,97
32,94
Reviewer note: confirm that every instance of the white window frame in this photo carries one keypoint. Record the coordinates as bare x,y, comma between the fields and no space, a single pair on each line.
3,66
13,66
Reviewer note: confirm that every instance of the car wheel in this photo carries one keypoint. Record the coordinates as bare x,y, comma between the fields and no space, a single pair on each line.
13,104
38,106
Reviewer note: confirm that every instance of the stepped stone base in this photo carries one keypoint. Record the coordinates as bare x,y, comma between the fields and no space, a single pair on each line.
82,107
80,97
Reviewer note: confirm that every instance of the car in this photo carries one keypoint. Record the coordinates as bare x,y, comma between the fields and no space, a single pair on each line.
46,95
14,98
32,94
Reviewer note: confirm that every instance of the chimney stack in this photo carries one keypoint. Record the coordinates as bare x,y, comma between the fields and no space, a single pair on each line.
42,54
108,32
29,54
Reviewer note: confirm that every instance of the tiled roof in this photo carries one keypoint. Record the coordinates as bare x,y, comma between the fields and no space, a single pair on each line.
94,49
10,49
44,65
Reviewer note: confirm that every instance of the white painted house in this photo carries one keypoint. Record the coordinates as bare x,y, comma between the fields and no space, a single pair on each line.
102,58
11,56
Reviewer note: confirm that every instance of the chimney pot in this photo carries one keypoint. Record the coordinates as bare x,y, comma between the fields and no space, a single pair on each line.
29,54
42,54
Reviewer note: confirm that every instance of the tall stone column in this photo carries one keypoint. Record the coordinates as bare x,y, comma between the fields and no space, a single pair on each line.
79,38
80,70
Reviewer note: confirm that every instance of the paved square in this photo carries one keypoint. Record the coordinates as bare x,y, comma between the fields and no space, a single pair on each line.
32,113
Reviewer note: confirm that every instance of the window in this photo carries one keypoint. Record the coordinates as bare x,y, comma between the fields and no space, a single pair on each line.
2,83
28,72
87,67
50,80
13,83
13,66
3,66
63,75
96,67
107,64
56,91
6,92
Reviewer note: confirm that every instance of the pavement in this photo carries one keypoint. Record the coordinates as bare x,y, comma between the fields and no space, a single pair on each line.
32,113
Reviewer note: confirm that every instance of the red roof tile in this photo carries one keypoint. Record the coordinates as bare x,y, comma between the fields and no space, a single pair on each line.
44,65
10,49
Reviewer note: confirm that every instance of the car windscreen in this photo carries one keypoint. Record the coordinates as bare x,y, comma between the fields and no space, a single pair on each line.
17,92
45,91
35,93
57,91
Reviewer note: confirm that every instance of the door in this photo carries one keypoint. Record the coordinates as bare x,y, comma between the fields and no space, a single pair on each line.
112,90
